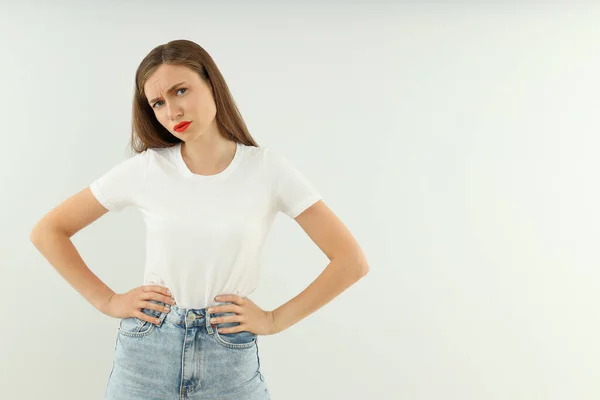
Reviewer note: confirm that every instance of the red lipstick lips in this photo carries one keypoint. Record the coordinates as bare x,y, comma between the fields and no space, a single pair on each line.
182,126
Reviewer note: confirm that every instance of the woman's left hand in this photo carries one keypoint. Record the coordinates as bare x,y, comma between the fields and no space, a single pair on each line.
251,317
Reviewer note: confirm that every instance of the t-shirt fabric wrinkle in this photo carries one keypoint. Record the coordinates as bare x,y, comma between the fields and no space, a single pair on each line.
205,233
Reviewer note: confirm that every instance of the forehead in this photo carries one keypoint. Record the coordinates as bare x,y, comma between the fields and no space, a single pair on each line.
166,76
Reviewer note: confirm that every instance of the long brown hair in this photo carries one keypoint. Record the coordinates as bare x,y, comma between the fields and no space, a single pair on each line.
147,132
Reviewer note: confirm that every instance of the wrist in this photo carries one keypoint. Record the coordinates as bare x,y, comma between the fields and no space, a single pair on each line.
103,307
274,326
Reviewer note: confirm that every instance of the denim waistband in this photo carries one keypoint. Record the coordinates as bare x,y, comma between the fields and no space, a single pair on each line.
185,317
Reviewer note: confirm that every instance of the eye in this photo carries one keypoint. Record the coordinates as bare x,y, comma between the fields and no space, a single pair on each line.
160,101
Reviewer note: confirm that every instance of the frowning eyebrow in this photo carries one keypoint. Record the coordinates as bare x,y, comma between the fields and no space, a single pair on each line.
170,90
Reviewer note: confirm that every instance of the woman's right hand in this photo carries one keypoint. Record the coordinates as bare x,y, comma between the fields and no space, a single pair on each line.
130,304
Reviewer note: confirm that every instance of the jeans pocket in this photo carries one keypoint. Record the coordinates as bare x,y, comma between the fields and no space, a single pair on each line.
236,340
136,327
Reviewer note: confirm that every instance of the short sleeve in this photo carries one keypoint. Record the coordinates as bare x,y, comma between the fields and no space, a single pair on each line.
291,191
120,186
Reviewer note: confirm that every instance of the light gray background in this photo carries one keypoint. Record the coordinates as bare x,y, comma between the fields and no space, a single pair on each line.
459,143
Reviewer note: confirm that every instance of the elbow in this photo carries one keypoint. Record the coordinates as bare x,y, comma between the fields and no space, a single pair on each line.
36,236
355,263
351,265
38,232
362,265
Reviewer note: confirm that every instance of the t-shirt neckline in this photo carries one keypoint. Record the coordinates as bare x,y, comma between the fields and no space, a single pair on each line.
183,168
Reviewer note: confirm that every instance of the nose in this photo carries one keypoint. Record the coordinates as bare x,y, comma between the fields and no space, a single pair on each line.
173,113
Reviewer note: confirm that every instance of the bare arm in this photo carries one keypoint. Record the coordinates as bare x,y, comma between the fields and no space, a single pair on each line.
52,237
348,265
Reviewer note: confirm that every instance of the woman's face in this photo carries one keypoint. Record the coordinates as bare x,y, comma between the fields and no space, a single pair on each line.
192,101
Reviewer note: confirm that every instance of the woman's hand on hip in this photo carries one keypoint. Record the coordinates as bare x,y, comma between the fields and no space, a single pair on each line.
130,304
251,317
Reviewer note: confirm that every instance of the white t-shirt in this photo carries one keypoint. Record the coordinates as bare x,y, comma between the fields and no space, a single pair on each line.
205,234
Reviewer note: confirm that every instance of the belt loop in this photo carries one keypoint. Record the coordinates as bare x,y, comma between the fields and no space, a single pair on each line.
162,317
161,314
209,328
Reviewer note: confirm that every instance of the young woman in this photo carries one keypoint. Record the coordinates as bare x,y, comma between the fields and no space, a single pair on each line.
208,195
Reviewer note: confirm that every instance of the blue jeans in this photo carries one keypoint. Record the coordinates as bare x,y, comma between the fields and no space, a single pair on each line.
184,357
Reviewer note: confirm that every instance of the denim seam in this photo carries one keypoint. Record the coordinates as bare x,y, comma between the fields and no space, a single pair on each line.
223,342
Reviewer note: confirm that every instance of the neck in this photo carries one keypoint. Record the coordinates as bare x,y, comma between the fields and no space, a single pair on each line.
208,155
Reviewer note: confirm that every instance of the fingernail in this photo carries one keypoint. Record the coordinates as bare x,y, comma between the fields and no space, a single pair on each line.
168,291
